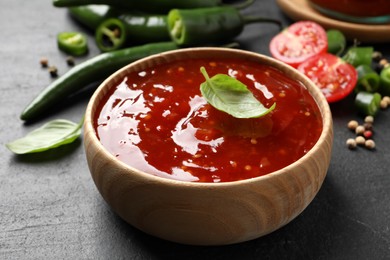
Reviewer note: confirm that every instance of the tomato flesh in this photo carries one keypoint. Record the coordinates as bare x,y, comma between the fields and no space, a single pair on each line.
299,42
331,74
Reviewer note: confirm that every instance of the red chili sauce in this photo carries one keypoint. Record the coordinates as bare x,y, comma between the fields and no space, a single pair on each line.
362,8
157,121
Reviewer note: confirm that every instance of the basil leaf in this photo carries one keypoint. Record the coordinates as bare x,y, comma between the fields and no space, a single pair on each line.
51,135
231,96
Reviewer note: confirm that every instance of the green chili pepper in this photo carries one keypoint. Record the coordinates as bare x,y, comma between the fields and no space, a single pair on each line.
144,28
368,103
85,73
336,41
204,25
139,28
91,16
368,79
385,81
359,55
153,6
111,35
73,43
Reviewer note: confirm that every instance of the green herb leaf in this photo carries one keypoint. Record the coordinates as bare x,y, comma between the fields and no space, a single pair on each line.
51,135
231,96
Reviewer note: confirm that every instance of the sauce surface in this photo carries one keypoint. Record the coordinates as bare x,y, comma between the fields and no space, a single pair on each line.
359,8
157,121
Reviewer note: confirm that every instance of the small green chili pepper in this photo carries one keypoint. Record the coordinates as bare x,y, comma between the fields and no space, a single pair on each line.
205,25
385,81
368,79
73,43
336,41
368,103
359,55
152,6
90,71
111,35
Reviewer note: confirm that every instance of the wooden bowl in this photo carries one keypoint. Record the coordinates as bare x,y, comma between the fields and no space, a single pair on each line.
207,213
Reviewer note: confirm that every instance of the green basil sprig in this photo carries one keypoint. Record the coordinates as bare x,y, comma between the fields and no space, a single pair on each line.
231,96
51,135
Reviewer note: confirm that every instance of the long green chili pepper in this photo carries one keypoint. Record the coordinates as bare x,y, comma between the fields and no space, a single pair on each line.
85,73
91,16
153,6
385,81
368,79
368,103
204,25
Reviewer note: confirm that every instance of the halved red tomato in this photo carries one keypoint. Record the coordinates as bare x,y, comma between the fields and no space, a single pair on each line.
298,42
335,77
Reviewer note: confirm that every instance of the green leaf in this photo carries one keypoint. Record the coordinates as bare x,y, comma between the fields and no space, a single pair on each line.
51,135
231,96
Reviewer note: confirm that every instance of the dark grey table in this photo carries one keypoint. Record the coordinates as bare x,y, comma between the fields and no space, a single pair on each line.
50,208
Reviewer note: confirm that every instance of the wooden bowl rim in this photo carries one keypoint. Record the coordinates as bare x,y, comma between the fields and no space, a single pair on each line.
305,81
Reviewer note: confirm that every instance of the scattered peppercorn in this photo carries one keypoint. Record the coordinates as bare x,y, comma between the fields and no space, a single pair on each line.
370,144
383,63
70,61
367,126
377,56
369,119
359,130
386,99
367,134
351,143
364,134
383,104
44,62
352,125
360,140
53,71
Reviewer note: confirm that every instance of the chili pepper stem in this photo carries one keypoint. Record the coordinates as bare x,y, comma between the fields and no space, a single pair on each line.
258,19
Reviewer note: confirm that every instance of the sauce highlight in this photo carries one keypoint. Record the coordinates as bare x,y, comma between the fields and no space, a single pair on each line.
157,121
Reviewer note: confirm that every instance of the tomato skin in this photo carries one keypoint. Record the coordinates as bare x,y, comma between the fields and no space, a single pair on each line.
298,42
335,77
